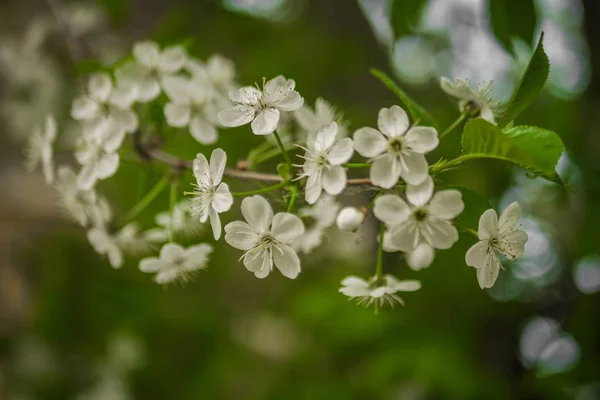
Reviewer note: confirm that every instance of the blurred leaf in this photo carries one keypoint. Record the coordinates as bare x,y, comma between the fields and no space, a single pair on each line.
535,149
475,205
405,14
529,87
416,112
118,11
512,18
89,66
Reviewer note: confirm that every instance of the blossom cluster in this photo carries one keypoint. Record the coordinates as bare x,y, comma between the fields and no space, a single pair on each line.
415,217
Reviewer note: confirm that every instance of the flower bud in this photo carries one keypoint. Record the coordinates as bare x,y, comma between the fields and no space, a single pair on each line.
350,219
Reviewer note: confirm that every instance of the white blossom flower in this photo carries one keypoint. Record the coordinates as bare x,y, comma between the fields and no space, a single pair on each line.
134,241
103,101
76,202
497,237
474,101
323,214
175,262
98,159
424,217
324,114
323,163
396,149
377,291
40,149
106,244
262,108
179,220
151,65
350,219
218,70
211,196
265,238
192,105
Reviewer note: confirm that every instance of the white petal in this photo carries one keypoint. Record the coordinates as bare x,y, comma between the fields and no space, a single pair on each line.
287,261
218,159
115,256
415,169
313,188
421,257
388,246
258,212
385,172
215,223
177,89
391,209
172,59
487,114
151,264
171,252
113,137
87,177
325,137
100,87
349,219
248,96
392,121
509,217
406,286
405,236
477,255
123,95
260,262
148,89
265,121
487,275
422,139
290,102
124,118
287,227
201,170
419,195
203,131
107,165
236,116
50,129
240,235
275,89
222,198
459,89
146,53
512,243
167,275
488,225
369,142
334,180
84,108
306,119
447,204
341,152
177,115
197,256
441,235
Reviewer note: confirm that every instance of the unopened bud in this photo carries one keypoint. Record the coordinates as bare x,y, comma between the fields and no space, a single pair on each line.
350,219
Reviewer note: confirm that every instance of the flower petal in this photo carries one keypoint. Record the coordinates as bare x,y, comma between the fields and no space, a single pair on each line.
405,236
325,137
146,53
391,209
99,87
334,180
177,89
512,243
313,188
488,225
341,152
84,108
509,217
124,118
487,275
385,171
419,195
172,59
151,264
247,96
421,257
414,168
265,121
258,212
459,89
107,165
369,142
440,235
171,252
393,121
201,171
287,261
447,204
477,254
215,223
203,131
240,235
222,198
287,227
236,116
422,139
218,159
177,115
407,286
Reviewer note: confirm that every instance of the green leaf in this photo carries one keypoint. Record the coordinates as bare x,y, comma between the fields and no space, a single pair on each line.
405,14
529,87
535,149
415,111
512,18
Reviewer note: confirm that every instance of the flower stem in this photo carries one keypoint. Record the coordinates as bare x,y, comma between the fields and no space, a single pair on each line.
267,155
356,165
146,200
282,147
172,202
262,190
294,196
379,269
453,126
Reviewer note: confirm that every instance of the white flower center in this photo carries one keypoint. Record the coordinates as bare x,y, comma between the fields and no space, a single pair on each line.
397,146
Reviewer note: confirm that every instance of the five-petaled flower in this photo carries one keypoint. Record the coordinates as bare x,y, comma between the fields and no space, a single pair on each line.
476,101
211,196
262,107
497,237
424,218
323,162
265,238
396,149
175,262
377,291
